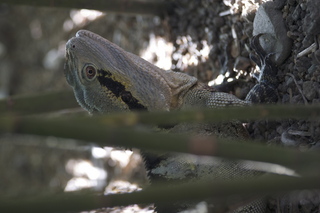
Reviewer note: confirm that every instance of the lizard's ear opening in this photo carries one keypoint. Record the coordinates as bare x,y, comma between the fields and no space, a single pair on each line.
89,72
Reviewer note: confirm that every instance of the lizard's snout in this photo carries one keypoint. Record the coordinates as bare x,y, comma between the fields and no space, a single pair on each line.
71,44
79,45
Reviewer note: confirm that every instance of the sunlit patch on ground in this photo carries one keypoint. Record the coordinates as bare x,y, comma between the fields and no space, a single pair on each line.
158,52
93,174
120,186
190,53
121,156
127,209
161,52
240,6
217,80
85,175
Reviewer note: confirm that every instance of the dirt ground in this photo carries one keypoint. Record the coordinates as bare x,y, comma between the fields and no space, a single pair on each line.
223,28
298,73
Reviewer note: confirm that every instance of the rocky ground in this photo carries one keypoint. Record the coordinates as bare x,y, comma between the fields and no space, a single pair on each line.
229,35
228,26
210,39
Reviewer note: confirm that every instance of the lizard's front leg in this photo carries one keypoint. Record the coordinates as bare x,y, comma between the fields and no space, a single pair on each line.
265,91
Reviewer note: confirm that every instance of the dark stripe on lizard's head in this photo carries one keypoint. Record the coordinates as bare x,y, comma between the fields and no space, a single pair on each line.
119,90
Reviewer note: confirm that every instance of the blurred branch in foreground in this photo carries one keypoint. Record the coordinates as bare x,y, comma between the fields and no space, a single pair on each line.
66,202
38,103
54,101
258,112
141,7
96,129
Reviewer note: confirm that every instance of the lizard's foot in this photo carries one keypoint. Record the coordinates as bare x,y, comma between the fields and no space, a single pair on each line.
265,90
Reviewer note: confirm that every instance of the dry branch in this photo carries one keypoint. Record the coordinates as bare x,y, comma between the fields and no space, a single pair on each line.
141,7
96,129
71,202
53,101
38,103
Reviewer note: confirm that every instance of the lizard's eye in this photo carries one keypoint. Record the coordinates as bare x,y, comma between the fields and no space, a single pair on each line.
90,72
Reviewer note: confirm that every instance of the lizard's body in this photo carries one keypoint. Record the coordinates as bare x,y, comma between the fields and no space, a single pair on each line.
106,78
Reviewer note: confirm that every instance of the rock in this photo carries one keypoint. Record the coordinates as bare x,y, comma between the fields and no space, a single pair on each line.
218,22
316,101
306,205
309,89
269,22
242,63
312,19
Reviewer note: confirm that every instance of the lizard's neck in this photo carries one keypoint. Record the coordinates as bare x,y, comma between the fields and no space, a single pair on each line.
177,83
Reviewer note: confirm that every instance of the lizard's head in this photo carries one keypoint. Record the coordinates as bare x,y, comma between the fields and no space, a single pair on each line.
106,78
96,69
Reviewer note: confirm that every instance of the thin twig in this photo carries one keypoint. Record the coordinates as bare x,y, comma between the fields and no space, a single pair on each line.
38,103
308,50
298,87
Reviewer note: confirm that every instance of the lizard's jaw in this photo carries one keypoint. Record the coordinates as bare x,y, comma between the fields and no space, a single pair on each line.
69,67
71,74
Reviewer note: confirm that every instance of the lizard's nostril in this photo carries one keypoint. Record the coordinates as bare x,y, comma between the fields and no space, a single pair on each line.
71,44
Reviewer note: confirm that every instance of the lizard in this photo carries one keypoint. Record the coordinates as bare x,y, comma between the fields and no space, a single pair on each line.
105,78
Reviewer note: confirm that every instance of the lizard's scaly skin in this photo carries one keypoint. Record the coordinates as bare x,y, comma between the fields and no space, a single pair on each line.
106,78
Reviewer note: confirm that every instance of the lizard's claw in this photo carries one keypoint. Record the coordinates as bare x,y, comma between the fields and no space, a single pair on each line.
265,90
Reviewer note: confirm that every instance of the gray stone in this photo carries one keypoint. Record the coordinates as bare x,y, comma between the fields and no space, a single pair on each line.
309,89
269,22
312,19
242,63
